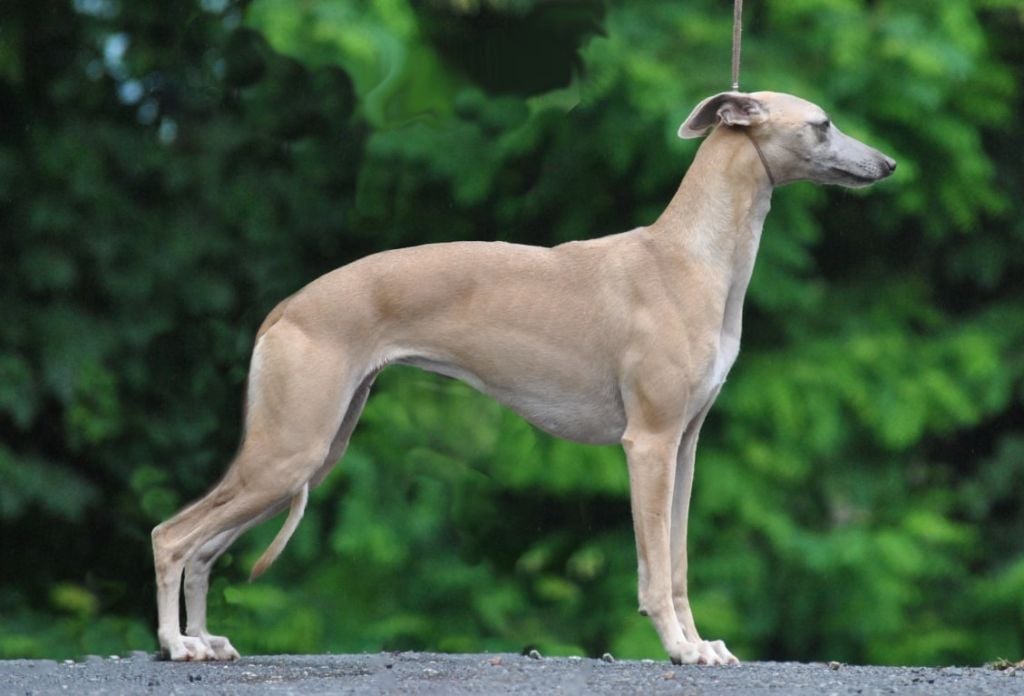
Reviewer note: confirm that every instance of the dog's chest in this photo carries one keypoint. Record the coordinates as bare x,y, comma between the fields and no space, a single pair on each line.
709,367
728,350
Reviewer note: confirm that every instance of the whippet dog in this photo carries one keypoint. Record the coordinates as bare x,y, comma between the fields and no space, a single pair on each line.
626,338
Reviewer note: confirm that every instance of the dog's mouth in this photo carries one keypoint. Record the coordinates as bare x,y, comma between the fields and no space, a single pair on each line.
849,178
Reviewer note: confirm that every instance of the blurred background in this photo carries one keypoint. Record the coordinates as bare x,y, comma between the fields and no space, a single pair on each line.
169,171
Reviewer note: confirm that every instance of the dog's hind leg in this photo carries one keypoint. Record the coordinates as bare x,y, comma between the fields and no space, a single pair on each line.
197,585
198,567
298,388
334,454
210,525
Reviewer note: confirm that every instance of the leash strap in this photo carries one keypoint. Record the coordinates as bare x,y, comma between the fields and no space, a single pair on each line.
737,36
737,44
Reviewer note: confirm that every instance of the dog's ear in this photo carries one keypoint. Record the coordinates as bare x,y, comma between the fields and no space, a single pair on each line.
730,108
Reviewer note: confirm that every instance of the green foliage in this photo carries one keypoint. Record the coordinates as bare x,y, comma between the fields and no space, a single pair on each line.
168,174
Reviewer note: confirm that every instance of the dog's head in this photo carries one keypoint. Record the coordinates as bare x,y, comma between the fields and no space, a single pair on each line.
797,139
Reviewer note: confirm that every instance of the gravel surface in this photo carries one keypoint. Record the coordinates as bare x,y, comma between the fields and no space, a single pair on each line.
426,673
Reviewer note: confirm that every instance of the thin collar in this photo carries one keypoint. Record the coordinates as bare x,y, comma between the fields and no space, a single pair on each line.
760,155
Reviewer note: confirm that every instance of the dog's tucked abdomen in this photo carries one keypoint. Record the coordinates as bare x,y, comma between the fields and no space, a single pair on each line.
590,412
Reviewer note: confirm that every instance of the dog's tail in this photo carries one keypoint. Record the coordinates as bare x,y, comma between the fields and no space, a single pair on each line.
295,512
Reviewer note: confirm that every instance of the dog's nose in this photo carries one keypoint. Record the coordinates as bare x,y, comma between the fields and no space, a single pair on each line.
890,163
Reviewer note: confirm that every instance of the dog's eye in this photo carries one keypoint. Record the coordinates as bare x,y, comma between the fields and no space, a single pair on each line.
820,129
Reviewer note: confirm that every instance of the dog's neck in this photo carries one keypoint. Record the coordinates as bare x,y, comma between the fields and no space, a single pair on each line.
718,212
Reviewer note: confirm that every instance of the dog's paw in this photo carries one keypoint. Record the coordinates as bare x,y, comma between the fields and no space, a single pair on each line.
705,652
714,652
221,648
685,653
187,649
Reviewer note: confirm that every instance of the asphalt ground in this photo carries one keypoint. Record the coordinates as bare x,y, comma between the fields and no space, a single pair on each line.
428,673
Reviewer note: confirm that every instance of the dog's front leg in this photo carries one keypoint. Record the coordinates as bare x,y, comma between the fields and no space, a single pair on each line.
711,652
651,461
